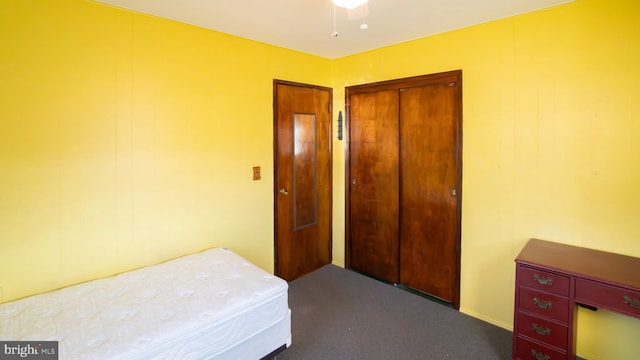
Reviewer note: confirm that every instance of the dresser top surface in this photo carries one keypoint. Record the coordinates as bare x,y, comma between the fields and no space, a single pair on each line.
582,262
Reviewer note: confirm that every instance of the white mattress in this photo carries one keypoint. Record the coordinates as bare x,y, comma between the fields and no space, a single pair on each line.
209,305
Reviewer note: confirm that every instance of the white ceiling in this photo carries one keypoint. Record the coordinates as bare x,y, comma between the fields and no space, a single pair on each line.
307,25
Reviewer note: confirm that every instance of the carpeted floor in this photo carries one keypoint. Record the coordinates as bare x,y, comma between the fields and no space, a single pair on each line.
338,314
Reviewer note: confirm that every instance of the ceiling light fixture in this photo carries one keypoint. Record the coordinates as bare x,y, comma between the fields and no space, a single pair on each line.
349,4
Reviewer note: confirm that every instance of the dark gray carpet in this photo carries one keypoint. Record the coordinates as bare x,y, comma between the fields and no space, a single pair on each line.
338,314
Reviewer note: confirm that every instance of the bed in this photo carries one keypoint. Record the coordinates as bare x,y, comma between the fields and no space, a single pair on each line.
209,305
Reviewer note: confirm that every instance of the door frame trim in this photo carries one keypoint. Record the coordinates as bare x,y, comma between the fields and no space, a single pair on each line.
276,189
454,76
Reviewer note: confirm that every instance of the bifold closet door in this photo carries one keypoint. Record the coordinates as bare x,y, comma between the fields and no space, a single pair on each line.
374,181
428,194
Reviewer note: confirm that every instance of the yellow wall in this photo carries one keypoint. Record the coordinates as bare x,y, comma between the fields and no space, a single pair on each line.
127,139
551,104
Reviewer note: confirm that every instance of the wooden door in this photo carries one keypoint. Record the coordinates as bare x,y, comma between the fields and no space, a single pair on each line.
429,190
302,184
373,182
404,182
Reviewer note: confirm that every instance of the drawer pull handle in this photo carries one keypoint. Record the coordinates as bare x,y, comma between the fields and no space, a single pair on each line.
541,330
545,281
634,303
543,304
539,355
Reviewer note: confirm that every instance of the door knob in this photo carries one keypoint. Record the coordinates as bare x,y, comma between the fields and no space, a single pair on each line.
283,191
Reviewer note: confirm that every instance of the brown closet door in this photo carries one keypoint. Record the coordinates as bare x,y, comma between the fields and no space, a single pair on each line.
428,196
373,182
404,174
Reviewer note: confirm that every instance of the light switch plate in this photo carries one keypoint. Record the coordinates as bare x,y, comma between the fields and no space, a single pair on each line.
256,173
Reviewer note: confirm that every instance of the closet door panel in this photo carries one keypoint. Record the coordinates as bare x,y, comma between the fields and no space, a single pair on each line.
429,220
374,182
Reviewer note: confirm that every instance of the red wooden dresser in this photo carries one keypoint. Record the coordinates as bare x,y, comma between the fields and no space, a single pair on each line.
551,279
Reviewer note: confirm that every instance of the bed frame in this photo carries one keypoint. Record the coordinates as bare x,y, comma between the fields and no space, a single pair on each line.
209,305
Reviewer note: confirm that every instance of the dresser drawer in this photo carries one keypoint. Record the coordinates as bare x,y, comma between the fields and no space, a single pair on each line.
544,304
608,297
529,350
542,330
542,280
